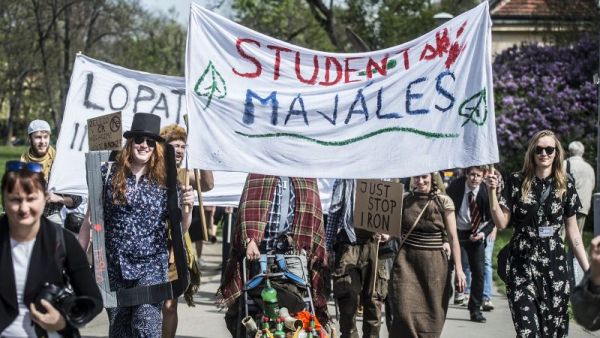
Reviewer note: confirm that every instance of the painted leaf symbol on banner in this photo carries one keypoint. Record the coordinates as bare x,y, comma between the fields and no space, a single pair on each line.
391,64
211,84
475,108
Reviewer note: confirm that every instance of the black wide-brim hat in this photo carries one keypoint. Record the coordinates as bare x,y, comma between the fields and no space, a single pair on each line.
146,125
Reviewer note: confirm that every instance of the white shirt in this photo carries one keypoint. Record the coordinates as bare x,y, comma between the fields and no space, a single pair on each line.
21,254
585,180
463,221
22,326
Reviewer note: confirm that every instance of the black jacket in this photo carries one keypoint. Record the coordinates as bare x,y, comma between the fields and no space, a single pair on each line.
456,191
586,304
43,267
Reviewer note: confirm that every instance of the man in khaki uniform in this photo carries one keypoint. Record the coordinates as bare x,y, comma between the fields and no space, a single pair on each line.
354,253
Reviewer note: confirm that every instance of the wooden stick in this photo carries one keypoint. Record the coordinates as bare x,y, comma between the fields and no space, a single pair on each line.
492,192
375,268
186,179
182,178
200,205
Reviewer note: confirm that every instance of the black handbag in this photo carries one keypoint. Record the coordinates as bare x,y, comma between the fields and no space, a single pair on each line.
503,257
73,221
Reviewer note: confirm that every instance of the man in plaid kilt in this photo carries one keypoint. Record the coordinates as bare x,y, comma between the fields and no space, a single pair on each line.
276,215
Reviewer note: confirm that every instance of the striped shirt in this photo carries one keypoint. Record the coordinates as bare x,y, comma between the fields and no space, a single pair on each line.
274,228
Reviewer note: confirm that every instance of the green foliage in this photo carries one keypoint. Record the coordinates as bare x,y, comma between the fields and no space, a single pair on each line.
539,87
287,20
386,23
39,40
9,154
380,23
157,45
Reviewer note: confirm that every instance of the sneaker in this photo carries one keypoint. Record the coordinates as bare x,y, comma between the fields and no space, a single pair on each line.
477,317
459,298
465,300
487,305
359,311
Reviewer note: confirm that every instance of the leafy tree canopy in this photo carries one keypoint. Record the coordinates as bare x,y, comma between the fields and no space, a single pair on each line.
545,87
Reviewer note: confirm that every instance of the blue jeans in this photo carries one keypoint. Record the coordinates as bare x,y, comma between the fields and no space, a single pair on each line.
467,272
487,270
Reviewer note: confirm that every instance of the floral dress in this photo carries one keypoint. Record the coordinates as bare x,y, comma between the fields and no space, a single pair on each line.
538,287
136,248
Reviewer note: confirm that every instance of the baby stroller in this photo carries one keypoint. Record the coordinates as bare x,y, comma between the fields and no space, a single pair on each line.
288,276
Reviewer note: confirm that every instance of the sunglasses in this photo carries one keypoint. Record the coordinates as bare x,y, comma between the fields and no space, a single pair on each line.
33,167
149,142
549,150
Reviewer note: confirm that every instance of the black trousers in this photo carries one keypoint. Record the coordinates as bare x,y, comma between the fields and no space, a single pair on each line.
474,253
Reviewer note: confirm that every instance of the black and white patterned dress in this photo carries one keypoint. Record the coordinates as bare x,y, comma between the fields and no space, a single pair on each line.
538,287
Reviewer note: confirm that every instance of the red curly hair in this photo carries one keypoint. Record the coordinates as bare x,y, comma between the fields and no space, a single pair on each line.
156,169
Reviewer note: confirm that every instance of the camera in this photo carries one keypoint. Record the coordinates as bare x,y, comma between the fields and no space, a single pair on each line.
77,310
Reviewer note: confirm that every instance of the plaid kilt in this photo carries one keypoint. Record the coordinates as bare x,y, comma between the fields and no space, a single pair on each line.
308,233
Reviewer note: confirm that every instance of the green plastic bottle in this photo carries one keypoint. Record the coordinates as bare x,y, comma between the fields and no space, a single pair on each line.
265,327
311,327
279,332
269,297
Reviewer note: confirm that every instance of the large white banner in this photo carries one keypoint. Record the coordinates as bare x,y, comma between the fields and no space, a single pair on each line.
98,88
257,104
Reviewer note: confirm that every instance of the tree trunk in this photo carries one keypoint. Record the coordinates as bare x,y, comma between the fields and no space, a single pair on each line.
14,104
66,69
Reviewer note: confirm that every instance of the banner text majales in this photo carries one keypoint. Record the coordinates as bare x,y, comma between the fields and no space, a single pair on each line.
413,104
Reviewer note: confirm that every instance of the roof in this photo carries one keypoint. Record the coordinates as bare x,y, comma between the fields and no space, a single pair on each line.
542,9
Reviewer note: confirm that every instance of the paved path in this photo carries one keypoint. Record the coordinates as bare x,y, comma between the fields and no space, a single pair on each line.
205,321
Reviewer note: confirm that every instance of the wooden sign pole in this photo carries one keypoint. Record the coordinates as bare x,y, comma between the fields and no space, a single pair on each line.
200,205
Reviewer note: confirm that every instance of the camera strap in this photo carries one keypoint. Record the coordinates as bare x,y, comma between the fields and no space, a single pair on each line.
284,208
61,252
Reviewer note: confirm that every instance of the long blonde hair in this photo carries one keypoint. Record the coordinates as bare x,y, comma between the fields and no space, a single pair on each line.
156,169
528,171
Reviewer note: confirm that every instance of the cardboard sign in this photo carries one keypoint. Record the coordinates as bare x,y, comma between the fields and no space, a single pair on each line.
105,132
378,206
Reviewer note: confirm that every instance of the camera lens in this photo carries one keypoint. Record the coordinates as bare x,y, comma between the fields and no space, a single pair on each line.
80,310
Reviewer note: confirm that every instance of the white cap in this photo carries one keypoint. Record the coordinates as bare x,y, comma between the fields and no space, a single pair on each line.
38,125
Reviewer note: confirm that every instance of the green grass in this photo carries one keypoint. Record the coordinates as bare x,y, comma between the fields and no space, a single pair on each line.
9,153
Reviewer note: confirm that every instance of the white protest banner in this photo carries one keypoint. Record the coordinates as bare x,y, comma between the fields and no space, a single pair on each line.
98,88
257,104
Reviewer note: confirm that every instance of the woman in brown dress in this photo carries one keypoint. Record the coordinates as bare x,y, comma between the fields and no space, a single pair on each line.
420,279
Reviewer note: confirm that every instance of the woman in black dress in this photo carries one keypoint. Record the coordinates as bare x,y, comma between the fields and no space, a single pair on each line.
537,202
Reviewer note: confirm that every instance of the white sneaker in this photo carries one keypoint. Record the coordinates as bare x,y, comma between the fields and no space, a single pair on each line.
459,298
487,305
465,300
